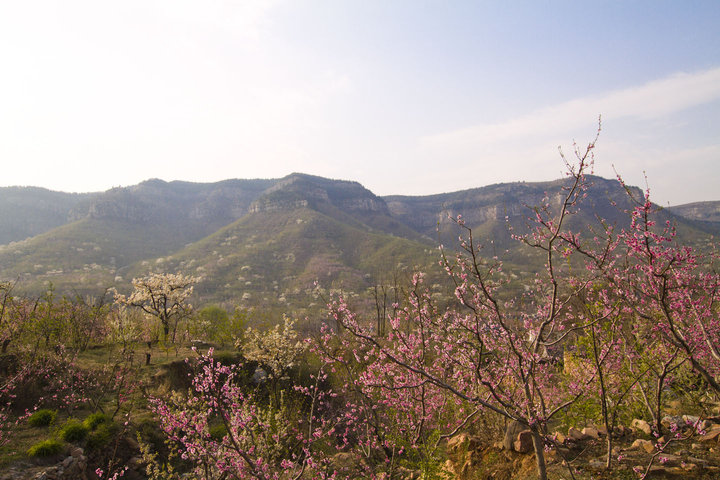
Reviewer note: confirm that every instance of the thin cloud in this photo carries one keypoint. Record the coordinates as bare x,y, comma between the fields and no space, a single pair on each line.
652,100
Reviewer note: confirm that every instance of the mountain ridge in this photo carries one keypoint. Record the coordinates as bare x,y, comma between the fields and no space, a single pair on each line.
83,242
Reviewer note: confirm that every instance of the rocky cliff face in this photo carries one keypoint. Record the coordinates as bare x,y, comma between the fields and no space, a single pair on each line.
300,190
159,201
702,211
501,202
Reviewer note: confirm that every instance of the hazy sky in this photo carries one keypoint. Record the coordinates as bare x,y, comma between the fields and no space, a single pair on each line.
406,97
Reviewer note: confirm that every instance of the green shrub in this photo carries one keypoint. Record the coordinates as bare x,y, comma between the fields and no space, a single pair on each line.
95,419
217,432
73,431
228,358
148,432
45,448
99,438
42,418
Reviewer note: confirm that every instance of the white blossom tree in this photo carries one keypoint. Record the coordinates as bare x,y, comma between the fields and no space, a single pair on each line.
277,349
163,296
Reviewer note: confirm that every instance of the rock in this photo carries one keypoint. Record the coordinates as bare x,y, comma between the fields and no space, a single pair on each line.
641,444
668,420
714,419
511,433
464,454
343,460
524,442
710,436
691,419
602,430
559,438
591,432
705,425
641,426
669,460
697,461
448,470
675,470
658,469
576,435
406,474
77,452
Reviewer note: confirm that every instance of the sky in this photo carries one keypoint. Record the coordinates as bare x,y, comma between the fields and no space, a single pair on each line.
406,97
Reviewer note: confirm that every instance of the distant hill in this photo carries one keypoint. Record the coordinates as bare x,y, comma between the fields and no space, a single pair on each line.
29,211
705,215
266,242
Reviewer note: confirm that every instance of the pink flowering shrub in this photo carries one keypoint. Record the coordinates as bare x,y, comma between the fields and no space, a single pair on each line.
223,430
393,414
49,382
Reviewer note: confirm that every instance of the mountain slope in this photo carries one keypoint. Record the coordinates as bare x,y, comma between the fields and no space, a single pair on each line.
275,258
493,210
29,211
704,215
346,201
265,242
115,229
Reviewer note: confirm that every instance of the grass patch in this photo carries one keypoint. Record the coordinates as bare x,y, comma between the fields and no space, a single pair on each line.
73,431
46,448
101,437
94,420
42,418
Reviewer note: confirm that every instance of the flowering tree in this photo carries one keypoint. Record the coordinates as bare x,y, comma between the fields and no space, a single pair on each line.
604,358
641,309
277,349
9,326
226,432
393,413
671,286
670,290
163,296
494,353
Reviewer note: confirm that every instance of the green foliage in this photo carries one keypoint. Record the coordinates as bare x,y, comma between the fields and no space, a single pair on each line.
42,418
95,419
217,432
73,431
228,358
214,324
46,448
101,436
149,433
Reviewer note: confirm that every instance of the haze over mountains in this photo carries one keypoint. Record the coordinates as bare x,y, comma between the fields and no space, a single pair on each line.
266,242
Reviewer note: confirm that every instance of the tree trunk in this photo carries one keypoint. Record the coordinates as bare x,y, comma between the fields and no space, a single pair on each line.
539,453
